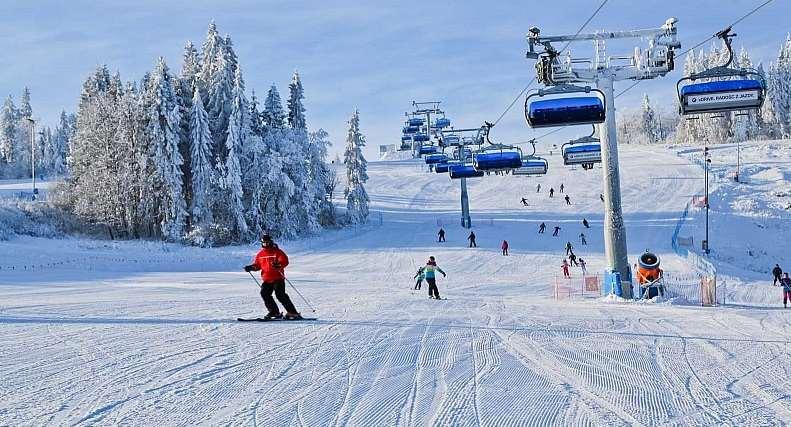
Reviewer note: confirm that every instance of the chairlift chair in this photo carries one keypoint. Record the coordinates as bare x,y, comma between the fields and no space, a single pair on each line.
464,171
583,151
427,149
532,164
496,157
433,159
727,89
566,110
415,121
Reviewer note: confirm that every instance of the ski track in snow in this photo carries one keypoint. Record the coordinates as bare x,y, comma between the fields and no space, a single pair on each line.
155,342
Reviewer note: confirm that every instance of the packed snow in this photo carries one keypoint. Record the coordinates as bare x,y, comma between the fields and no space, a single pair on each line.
113,332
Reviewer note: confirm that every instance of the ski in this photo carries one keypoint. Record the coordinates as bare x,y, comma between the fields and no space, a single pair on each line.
261,319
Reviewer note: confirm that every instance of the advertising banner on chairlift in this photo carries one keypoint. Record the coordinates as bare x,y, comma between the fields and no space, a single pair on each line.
583,157
733,99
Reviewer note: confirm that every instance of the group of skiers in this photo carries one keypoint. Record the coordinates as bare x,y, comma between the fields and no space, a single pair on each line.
562,188
784,281
471,239
573,260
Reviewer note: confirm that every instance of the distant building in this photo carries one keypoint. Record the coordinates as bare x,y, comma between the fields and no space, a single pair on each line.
388,148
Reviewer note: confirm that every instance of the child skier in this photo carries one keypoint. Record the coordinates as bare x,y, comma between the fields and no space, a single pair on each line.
272,261
429,270
420,275
565,268
504,247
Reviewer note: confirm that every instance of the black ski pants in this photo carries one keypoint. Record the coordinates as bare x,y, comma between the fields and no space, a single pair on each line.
432,287
279,288
472,243
418,283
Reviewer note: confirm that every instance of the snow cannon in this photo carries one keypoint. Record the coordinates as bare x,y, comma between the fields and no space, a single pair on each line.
649,275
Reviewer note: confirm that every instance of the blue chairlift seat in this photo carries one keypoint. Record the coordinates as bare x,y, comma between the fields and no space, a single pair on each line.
579,110
466,154
442,122
578,154
420,137
406,138
721,96
405,147
415,121
532,166
433,159
411,129
444,166
497,160
427,149
464,171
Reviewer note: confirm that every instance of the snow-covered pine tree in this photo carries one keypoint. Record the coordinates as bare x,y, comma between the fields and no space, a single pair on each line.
356,173
187,83
687,131
238,131
200,158
22,145
163,132
296,109
273,115
780,93
220,95
56,157
321,176
8,132
767,123
212,47
649,123
131,146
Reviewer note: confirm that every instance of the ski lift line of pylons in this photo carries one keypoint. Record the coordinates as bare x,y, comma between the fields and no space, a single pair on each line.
680,55
722,93
533,80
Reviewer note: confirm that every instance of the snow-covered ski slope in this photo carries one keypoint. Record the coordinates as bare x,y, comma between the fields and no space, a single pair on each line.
138,333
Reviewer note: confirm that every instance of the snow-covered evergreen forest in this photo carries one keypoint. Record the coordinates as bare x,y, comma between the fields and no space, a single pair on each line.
650,124
51,146
188,156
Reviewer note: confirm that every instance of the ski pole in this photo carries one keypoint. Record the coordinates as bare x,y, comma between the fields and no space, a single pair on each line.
300,295
254,279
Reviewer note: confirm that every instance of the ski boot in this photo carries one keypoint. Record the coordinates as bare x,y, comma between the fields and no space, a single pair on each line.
273,316
293,316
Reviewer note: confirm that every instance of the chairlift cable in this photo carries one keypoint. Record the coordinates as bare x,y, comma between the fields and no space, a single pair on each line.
533,80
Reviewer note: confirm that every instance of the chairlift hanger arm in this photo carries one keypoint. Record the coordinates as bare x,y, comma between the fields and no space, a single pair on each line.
667,30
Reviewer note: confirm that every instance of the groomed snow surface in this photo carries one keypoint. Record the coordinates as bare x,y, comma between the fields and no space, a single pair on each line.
141,333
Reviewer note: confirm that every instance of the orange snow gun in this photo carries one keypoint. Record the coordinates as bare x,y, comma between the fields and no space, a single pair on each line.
648,270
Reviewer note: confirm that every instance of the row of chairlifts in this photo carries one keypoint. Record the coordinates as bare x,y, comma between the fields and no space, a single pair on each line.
415,131
725,89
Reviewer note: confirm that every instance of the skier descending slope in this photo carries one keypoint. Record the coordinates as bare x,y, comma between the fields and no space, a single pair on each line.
429,270
272,261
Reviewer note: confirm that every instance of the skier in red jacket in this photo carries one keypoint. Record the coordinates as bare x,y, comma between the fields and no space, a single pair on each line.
272,261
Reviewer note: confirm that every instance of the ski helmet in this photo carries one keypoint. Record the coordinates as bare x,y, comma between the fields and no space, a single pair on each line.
266,238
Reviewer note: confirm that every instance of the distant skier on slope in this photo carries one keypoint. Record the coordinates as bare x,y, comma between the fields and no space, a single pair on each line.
776,272
561,187
504,247
431,279
420,275
272,261
601,196
538,188
573,259
565,268
557,229
441,235
583,241
568,248
583,266
568,200
585,223
551,192
541,228
471,238
524,201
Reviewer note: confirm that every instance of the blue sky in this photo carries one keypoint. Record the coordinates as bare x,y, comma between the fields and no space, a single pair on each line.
376,56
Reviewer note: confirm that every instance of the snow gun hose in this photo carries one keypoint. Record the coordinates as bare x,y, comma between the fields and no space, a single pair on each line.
292,285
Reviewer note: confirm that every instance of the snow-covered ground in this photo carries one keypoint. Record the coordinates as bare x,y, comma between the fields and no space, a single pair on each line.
144,333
